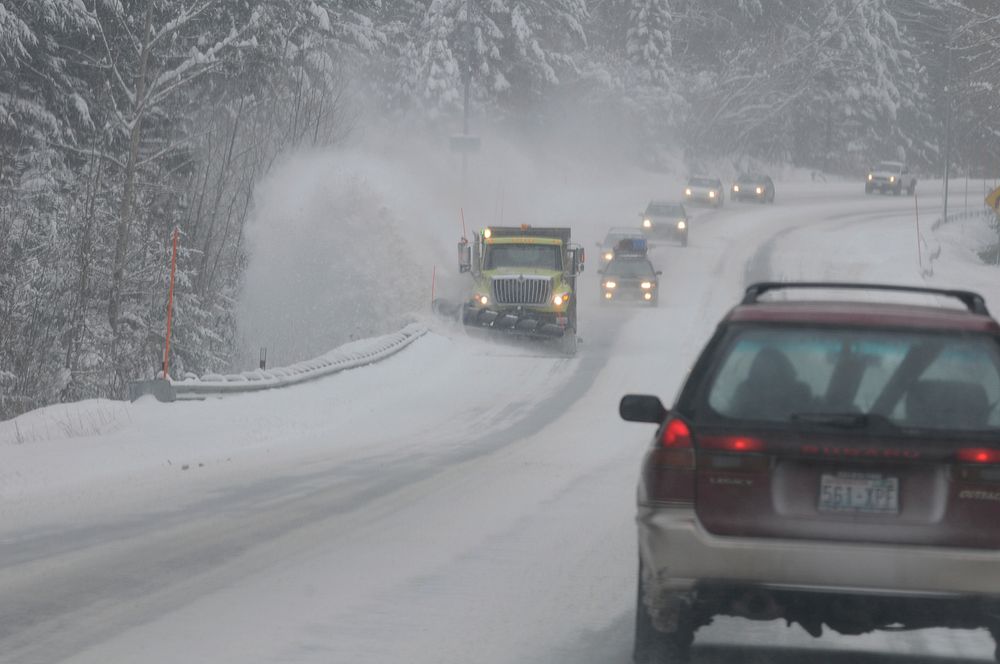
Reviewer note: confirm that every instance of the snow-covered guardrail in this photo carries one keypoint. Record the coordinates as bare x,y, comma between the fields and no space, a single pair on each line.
348,356
984,213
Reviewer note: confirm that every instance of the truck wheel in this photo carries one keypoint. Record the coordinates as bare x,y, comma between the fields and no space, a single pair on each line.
655,647
868,189
684,240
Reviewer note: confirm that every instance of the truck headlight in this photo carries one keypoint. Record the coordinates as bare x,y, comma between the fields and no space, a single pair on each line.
760,190
736,188
647,223
560,299
870,177
487,233
608,256
687,192
681,225
609,284
481,299
892,178
646,285
711,194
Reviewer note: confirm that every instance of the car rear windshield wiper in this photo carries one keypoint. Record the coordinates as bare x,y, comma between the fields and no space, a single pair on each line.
844,420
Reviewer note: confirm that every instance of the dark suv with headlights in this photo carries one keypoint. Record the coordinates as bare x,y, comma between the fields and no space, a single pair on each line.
753,187
827,462
665,220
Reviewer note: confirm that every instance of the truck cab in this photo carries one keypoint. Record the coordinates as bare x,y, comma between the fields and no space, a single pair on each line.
523,281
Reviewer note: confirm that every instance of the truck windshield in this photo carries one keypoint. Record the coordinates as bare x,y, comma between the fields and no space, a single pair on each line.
539,256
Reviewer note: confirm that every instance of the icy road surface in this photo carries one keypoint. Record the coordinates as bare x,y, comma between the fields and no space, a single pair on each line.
461,502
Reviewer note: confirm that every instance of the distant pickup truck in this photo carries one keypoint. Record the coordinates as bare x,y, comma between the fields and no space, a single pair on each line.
890,177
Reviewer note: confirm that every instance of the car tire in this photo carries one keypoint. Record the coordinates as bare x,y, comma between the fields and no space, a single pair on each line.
899,190
684,240
869,190
655,647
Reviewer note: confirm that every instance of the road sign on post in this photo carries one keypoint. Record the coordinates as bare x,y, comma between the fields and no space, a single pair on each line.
993,200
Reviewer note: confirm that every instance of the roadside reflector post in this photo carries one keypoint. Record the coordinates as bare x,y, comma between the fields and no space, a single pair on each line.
916,217
263,357
170,307
433,283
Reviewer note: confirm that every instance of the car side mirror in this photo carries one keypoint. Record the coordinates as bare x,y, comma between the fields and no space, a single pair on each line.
642,408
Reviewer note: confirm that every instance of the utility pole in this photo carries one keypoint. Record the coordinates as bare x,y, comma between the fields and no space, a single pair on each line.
947,117
465,143
468,85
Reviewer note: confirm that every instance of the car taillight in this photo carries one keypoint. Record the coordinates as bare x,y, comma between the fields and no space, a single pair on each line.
978,455
676,434
669,467
731,443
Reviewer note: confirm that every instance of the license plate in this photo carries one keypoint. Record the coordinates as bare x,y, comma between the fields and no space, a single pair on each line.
859,492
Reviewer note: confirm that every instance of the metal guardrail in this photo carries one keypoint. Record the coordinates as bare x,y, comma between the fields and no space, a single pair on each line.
984,213
349,356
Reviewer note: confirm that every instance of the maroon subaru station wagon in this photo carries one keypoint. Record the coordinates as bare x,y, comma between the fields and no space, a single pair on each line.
828,462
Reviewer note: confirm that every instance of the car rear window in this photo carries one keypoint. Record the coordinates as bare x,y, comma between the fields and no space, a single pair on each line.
906,379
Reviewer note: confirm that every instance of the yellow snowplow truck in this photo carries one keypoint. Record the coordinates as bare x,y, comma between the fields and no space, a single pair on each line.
524,282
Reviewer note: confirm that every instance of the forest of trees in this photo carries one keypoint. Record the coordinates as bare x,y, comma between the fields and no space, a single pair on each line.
123,119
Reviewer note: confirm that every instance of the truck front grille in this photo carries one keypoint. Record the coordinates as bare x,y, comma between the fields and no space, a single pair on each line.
522,290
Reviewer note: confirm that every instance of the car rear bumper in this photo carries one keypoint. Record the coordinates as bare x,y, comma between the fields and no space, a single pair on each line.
679,554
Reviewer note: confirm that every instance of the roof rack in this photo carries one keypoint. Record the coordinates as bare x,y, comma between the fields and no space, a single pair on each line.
974,302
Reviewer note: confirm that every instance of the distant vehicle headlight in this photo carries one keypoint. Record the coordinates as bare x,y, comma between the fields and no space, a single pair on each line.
687,192
560,299
607,296
648,296
870,177
647,223
736,188
610,284
608,256
646,285
760,190
681,225
711,194
487,233
892,178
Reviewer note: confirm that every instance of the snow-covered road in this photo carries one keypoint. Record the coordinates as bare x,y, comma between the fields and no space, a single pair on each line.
460,502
